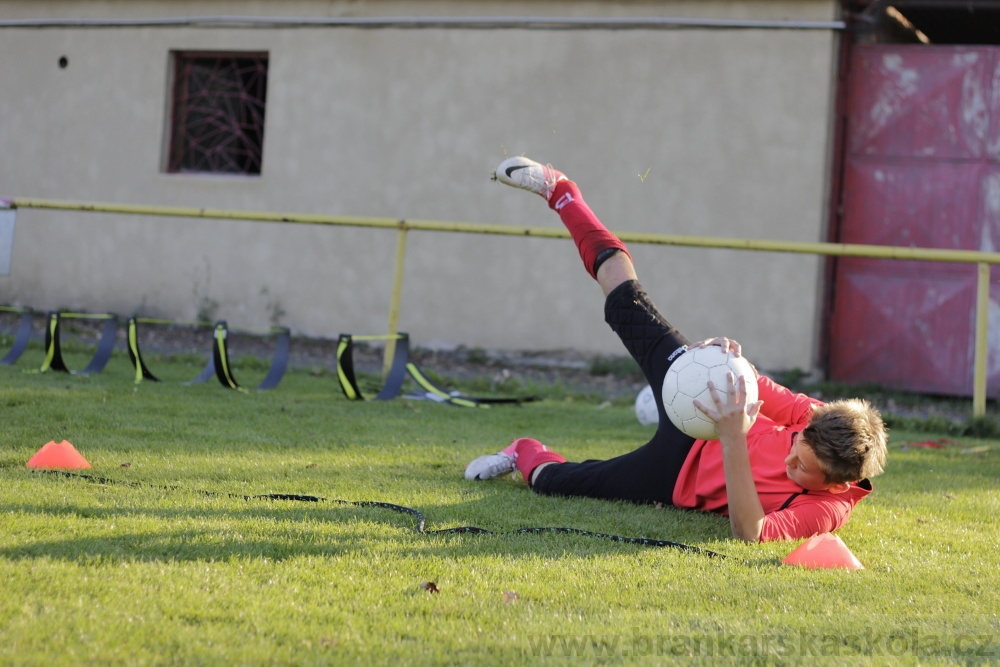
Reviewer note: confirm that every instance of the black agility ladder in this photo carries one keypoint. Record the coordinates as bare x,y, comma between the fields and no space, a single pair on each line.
398,370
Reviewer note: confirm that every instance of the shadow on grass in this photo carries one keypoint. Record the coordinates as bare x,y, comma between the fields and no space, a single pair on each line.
501,506
211,528
279,530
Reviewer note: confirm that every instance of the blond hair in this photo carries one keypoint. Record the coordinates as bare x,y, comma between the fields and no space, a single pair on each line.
849,439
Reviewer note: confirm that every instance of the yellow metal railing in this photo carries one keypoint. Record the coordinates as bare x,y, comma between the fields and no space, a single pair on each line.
982,259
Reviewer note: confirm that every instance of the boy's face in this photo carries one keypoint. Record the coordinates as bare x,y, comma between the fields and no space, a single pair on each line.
803,468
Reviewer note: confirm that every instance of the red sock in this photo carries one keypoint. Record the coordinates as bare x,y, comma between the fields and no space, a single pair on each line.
591,236
530,454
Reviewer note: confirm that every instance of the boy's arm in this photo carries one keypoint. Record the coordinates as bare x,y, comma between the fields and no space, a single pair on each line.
746,514
782,405
806,519
733,419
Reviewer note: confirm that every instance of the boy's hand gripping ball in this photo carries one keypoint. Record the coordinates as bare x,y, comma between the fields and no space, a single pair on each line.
687,380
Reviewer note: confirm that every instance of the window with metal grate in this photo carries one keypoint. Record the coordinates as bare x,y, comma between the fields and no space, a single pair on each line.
217,112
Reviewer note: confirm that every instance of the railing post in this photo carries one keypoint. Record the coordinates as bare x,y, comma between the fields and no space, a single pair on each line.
982,340
397,295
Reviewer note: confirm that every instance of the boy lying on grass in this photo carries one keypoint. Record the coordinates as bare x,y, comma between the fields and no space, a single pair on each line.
784,467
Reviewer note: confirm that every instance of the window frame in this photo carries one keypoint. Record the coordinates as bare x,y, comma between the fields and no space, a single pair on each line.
176,155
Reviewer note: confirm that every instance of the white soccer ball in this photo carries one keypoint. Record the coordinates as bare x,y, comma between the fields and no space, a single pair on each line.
687,380
645,407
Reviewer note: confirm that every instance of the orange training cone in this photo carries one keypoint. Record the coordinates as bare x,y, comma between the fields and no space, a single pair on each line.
824,551
61,455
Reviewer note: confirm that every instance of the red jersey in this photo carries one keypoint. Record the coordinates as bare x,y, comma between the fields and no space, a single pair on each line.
790,512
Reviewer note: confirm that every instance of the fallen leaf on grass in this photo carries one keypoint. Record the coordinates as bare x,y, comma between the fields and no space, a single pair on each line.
126,465
940,443
510,596
926,444
430,587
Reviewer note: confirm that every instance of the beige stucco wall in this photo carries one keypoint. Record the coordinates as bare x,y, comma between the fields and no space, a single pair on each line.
729,127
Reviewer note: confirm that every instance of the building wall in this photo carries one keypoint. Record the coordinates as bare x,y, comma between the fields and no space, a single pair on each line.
693,131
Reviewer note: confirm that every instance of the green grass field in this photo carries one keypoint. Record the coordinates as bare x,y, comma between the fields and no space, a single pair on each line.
152,569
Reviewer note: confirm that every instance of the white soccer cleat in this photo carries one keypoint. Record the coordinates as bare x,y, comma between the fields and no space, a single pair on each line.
490,466
520,172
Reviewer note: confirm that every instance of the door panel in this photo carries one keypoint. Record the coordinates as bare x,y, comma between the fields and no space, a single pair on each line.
921,169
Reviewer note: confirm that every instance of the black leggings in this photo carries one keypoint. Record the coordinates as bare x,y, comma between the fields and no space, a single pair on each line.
649,473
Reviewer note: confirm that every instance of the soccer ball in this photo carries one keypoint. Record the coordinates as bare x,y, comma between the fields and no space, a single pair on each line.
687,380
645,407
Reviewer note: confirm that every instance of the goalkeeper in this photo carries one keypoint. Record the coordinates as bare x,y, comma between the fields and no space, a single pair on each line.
784,467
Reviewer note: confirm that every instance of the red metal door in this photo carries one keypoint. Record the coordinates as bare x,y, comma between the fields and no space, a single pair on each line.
921,168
